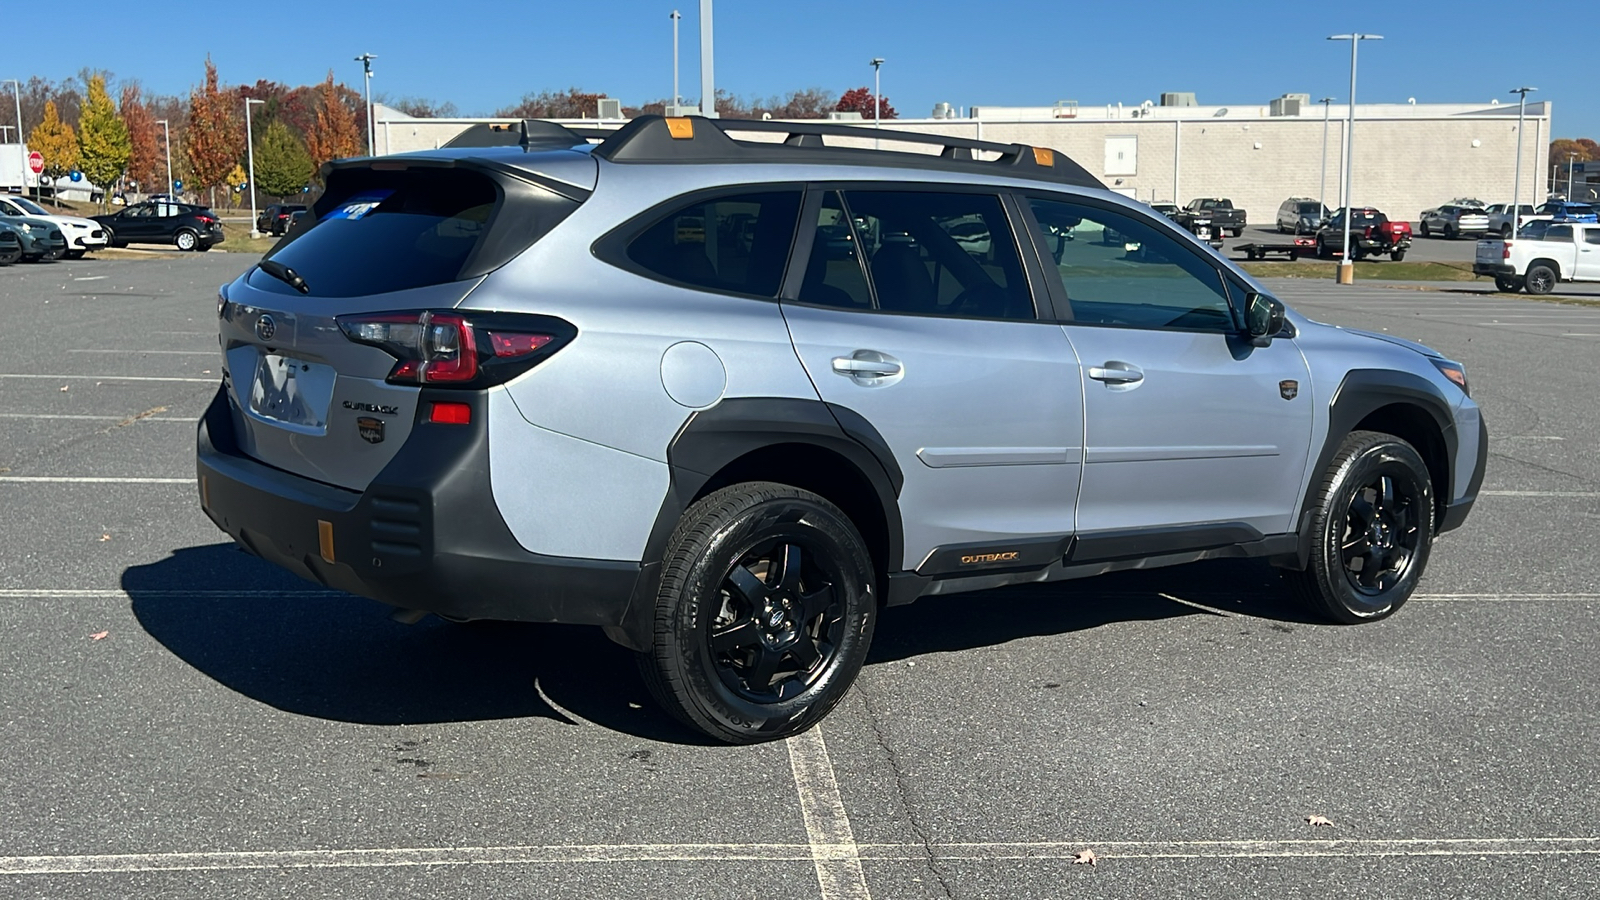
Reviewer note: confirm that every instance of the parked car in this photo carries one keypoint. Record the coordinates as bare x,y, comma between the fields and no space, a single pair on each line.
41,239
1567,209
83,235
494,383
1371,234
274,219
1219,212
1453,220
1301,215
182,225
10,245
1543,253
1500,218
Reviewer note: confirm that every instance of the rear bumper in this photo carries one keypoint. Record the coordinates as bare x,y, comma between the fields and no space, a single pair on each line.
425,535
1498,269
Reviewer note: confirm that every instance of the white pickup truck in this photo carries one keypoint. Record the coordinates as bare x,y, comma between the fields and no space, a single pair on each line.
1542,254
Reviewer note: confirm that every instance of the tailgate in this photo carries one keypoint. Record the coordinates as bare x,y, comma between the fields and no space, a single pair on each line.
1491,252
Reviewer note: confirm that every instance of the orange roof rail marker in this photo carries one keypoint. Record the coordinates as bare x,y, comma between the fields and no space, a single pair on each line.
680,128
1044,156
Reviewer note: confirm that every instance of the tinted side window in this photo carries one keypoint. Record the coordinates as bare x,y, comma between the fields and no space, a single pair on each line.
1591,235
1559,233
940,254
1119,270
834,273
738,244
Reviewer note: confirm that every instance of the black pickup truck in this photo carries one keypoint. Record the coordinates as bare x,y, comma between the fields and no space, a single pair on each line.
1219,212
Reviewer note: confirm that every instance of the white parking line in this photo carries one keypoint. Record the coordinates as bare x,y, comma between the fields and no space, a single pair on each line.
111,378
165,352
589,854
833,842
123,594
96,418
47,479
1580,494
1506,598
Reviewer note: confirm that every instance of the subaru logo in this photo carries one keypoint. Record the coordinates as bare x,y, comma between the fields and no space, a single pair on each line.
266,328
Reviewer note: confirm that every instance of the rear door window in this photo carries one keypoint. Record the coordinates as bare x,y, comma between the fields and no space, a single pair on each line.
736,244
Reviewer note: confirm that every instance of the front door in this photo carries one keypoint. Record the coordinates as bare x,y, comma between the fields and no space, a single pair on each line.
1189,429
915,314
1588,253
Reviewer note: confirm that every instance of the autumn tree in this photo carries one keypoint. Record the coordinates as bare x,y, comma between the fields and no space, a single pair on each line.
573,103
147,162
214,141
56,142
1582,148
283,166
102,139
421,108
860,100
334,134
236,179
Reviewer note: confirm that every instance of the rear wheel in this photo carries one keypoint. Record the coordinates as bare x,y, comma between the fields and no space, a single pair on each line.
1397,255
1541,279
1510,284
1371,530
1505,232
186,240
1449,232
764,615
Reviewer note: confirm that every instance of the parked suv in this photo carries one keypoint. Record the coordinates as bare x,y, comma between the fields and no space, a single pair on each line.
1453,220
275,219
1301,215
728,399
82,235
182,225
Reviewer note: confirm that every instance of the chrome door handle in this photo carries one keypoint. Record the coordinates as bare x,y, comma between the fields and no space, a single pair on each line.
1114,372
869,368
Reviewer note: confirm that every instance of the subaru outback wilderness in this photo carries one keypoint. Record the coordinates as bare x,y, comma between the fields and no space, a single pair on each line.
728,398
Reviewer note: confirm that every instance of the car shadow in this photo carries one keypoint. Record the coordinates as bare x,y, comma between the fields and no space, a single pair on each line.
291,645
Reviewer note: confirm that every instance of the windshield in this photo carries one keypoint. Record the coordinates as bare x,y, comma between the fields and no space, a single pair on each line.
1579,209
30,206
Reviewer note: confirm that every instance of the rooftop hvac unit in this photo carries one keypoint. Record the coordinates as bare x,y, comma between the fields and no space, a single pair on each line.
610,108
1066,109
847,116
944,111
1288,105
1178,98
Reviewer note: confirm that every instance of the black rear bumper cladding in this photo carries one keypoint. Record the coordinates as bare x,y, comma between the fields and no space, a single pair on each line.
424,535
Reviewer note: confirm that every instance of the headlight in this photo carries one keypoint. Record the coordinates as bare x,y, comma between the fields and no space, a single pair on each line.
1454,371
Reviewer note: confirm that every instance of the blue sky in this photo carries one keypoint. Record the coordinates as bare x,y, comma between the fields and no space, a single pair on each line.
483,55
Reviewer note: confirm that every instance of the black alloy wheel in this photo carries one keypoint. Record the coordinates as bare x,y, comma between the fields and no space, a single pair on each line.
1371,530
1509,284
780,623
1541,279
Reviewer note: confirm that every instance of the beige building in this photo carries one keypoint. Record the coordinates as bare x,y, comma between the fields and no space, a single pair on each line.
1407,157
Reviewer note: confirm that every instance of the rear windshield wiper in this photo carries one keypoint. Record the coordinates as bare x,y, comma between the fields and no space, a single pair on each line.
284,274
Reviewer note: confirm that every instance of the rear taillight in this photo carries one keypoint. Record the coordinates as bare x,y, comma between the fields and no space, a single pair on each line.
1506,252
446,348
209,220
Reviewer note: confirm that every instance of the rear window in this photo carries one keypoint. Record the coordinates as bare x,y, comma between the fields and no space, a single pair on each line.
375,232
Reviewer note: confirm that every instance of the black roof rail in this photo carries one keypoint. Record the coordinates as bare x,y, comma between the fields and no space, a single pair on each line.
529,134
696,139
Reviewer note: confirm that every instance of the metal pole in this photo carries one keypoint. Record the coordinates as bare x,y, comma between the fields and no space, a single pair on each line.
372,123
1322,192
1570,158
1177,154
1346,265
1516,184
677,100
22,151
250,149
166,131
708,88
877,96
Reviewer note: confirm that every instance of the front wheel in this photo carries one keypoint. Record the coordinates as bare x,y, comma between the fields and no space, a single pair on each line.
1540,280
764,614
1509,284
1423,227
1449,232
1397,255
1505,232
1371,530
186,240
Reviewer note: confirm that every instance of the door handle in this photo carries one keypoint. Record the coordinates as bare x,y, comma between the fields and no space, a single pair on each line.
869,367
1116,372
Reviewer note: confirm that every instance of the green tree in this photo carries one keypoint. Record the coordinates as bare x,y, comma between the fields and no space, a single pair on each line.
102,139
283,166
56,142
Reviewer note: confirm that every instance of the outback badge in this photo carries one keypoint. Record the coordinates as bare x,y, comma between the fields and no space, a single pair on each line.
371,429
1288,389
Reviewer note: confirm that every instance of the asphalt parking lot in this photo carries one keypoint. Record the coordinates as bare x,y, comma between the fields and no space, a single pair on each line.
1423,249
181,720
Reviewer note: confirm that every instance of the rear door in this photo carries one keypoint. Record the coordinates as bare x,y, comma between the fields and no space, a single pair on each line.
1588,266
1190,432
915,314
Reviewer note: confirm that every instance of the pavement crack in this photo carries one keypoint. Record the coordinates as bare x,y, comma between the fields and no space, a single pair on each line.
903,789
152,411
1585,482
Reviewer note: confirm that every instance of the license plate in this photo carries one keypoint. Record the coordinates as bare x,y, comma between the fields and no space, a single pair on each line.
292,393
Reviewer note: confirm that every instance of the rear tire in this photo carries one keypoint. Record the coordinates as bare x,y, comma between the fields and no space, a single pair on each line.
1397,255
1371,530
1449,232
1509,284
1540,279
1505,232
764,615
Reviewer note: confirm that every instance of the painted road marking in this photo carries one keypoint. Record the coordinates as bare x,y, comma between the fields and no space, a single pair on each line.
45,479
165,352
216,380
1581,494
833,842
188,421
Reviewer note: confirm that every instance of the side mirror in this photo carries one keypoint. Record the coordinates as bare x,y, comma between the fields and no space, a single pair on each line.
1264,317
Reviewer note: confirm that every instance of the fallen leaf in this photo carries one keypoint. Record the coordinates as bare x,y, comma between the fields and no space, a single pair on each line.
1084,856
63,387
99,635
104,538
1319,820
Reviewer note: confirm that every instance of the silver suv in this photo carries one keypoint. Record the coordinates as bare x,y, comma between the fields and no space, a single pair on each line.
727,399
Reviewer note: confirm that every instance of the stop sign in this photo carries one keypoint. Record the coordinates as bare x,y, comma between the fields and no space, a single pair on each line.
36,162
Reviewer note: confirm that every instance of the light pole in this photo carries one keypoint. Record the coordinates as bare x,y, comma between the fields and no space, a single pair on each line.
1347,270
1570,158
877,92
708,81
676,101
22,153
1322,192
250,148
366,68
1516,184
167,133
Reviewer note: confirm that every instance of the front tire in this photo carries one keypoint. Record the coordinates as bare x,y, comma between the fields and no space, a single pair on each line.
764,615
186,240
1397,255
1423,227
1371,530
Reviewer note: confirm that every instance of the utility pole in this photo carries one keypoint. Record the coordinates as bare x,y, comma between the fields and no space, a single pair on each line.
366,69
250,149
1322,192
677,98
1516,185
708,88
167,133
1347,270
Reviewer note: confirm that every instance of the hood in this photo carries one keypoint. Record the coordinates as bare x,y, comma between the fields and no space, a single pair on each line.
1391,339
30,221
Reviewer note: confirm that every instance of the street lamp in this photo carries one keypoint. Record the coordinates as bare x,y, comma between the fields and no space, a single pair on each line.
877,91
1516,185
1570,158
167,132
22,153
366,67
250,148
676,97
1322,192
1347,270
